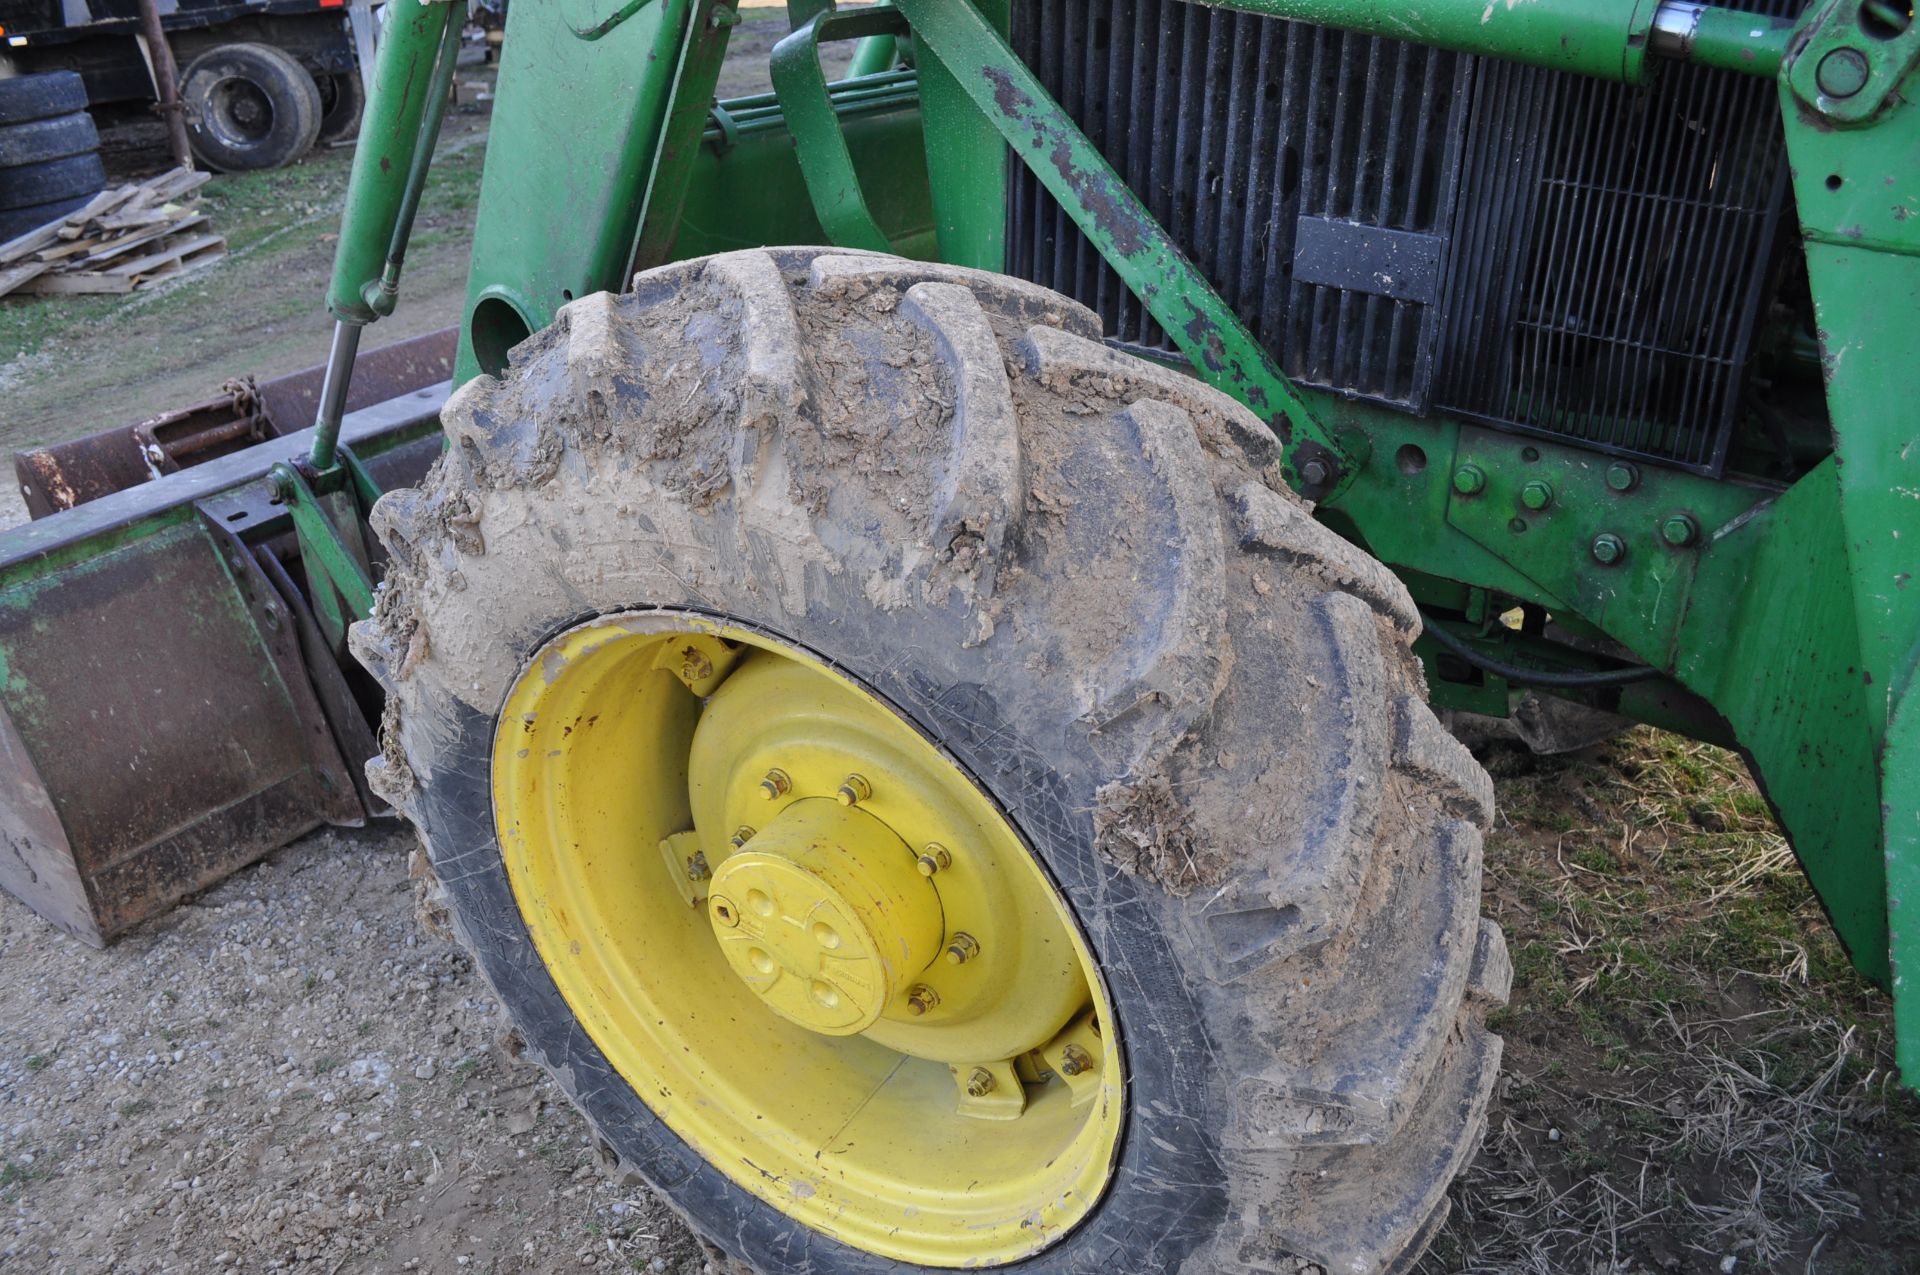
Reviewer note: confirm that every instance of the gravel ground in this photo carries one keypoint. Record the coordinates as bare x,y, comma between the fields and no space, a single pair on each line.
290,1073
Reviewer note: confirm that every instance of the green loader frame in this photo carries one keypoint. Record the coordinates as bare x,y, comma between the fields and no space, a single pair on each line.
1778,618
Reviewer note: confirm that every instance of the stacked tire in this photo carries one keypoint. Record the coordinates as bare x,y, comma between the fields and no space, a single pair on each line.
49,151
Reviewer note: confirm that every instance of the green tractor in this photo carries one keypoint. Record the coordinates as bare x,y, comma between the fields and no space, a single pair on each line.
931,734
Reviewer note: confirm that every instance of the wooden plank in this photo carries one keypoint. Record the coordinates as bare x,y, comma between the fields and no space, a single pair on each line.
69,284
12,277
181,181
86,253
168,252
20,246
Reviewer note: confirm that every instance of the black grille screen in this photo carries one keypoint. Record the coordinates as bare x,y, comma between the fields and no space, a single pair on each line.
1535,249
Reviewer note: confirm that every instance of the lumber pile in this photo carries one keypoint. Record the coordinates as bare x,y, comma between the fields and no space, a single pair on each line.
125,238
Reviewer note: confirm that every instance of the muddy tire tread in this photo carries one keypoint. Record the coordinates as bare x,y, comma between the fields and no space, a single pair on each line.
1342,960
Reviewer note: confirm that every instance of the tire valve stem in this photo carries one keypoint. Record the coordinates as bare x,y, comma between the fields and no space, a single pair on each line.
963,948
854,789
776,784
934,858
1075,1060
980,1083
921,998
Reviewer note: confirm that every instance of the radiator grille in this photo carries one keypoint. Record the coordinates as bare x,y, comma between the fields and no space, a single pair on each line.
1538,250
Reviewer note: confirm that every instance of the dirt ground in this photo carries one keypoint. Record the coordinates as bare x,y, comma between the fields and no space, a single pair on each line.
71,366
289,1073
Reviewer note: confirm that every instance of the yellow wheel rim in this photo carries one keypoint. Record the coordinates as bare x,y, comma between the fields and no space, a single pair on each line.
807,939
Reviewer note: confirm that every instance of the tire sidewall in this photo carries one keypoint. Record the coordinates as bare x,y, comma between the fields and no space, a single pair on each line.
56,137
41,94
290,94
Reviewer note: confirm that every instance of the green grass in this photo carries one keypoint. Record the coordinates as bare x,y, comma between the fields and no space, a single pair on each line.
14,1175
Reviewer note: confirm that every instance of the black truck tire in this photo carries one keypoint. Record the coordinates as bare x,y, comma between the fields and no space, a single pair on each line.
249,107
55,181
341,101
19,221
55,137
41,95
1080,574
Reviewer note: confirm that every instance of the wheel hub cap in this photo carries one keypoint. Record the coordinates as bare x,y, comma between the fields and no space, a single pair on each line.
825,917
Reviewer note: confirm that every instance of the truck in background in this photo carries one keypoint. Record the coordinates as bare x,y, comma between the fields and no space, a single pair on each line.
261,81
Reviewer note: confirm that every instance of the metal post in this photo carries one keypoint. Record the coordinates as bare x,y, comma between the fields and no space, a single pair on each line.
166,81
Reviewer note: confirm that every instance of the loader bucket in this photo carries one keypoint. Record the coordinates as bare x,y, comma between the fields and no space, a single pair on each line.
240,414
168,708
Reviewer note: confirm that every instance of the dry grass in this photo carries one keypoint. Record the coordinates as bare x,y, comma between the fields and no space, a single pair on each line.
1697,1080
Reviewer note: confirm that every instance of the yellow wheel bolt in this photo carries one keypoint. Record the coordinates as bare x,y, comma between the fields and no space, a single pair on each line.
776,784
934,858
962,948
740,837
921,998
854,789
980,1083
1074,1060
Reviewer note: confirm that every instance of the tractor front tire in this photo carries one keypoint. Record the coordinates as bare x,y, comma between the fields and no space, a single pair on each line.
1075,576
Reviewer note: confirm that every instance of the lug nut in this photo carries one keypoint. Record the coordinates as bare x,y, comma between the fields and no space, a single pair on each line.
1608,549
854,789
697,869
934,858
776,784
740,837
921,998
724,911
694,665
1622,476
962,949
1075,1060
980,1083
1536,495
1469,480
1316,473
1679,530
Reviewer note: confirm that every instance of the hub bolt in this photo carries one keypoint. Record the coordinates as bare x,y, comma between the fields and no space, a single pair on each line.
921,998
962,949
1469,480
980,1083
1536,495
1075,1060
776,784
934,858
1608,549
1622,476
854,789
697,869
1679,530
740,837
1843,73
1316,473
